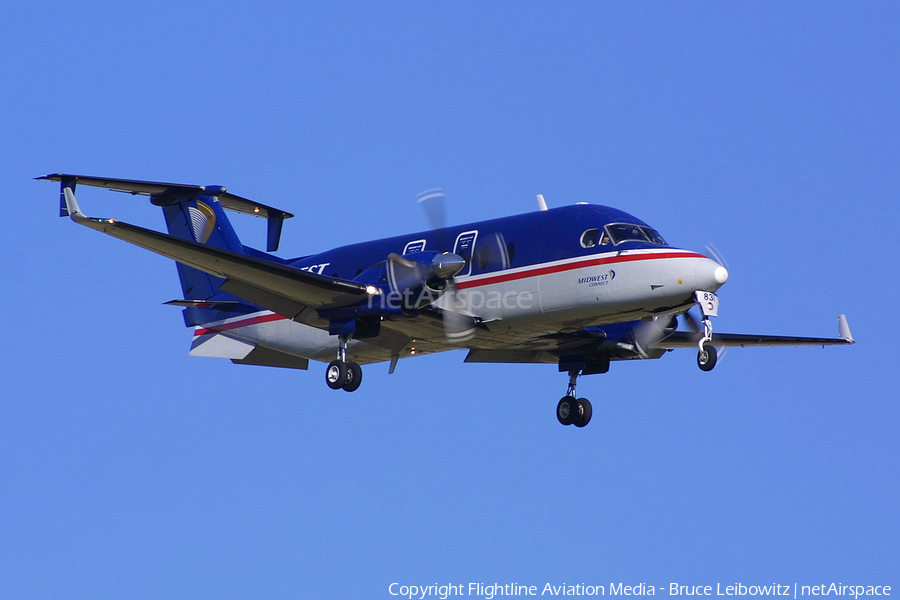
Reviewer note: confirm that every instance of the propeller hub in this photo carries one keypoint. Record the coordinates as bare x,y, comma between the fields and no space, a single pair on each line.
447,264
721,274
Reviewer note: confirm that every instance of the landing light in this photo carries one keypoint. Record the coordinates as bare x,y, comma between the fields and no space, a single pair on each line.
372,290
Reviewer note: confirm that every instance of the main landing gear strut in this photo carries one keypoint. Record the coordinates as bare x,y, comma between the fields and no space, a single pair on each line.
342,374
572,411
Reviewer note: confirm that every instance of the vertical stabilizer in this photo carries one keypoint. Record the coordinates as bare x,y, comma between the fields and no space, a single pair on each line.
200,219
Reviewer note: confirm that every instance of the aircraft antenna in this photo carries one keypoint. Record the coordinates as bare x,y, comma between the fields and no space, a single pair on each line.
542,204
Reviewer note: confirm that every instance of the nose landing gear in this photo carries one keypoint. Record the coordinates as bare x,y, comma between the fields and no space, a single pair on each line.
343,374
572,411
709,307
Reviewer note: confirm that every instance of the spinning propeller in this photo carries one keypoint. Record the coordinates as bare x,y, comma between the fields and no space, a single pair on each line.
650,333
458,326
647,334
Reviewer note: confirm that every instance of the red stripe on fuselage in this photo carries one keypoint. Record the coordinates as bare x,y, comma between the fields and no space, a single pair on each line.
236,324
591,262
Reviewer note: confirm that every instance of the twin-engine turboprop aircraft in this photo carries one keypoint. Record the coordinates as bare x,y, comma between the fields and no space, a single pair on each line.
577,286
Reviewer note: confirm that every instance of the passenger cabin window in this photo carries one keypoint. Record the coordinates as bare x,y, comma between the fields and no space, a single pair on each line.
484,256
589,238
626,232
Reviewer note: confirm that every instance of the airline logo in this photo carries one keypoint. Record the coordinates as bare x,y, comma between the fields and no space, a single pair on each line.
203,221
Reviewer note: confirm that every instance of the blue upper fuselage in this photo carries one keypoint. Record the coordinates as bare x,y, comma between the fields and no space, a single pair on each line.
528,239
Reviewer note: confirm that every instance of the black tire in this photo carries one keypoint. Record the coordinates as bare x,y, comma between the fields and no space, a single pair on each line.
336,374
586,411
567,410
354,377
706,358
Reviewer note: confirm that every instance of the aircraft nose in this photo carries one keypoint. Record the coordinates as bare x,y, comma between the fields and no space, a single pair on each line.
710,275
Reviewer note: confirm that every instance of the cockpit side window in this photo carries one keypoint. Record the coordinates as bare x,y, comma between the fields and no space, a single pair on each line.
627,232
589,238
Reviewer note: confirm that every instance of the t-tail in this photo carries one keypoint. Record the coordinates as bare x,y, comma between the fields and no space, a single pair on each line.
192,213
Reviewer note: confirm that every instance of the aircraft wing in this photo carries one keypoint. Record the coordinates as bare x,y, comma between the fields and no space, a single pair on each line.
689,339
548,349
285,290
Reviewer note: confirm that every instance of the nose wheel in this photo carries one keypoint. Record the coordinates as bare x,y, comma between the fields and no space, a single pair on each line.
706,358
571,410
341,373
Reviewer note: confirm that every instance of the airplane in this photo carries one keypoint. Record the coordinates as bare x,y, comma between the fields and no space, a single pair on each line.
577,286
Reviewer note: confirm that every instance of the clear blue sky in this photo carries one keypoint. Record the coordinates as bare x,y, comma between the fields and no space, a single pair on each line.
130,470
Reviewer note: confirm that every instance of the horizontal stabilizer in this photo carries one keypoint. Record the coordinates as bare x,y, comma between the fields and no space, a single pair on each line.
266,357
216,345
173,191
224,305
166,193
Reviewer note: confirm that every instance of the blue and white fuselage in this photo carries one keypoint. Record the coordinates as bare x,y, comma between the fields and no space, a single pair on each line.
542,278
577,286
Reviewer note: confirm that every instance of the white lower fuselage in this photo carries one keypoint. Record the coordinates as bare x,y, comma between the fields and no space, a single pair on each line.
515,305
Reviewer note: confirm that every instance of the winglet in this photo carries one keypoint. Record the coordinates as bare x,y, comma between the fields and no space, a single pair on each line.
74,212
71,205
844,330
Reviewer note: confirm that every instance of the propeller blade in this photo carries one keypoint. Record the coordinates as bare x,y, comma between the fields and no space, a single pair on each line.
458,327
402,273
691,322
432,202
717,256
402,261
646,335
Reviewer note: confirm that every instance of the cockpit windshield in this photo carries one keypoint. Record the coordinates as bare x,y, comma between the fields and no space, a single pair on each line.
626,232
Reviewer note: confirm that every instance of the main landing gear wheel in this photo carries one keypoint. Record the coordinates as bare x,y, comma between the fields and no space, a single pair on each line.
585,412
354,377
336,374
570,411
706,358
343,375
567,410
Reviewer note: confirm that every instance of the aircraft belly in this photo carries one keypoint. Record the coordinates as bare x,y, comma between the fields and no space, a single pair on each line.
304,341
